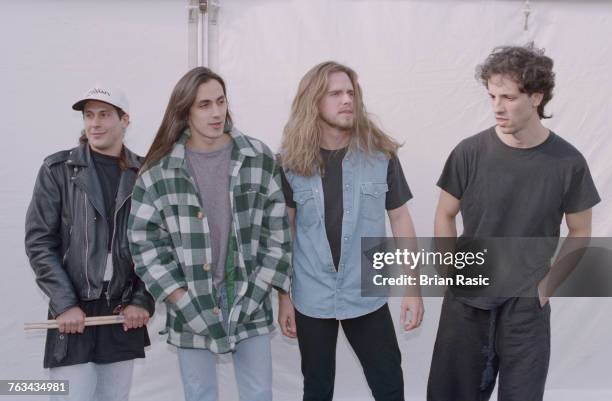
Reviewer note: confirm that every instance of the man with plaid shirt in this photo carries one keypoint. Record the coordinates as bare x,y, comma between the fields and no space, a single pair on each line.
210,238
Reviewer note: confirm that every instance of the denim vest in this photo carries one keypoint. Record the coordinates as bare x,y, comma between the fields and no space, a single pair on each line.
317,289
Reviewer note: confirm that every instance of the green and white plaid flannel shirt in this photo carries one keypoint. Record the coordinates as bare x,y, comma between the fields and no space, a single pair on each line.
170,243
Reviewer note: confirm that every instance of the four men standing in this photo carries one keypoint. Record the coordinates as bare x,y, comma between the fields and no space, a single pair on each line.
209,233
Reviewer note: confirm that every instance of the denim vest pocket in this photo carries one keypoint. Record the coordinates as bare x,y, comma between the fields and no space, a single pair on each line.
306,211
373,197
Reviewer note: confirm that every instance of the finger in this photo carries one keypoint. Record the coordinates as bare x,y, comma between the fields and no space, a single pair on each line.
81,325
421,314
403,311
412,323
291,330
284,327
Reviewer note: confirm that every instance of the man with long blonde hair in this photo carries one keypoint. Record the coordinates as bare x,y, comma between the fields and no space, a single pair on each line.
341,174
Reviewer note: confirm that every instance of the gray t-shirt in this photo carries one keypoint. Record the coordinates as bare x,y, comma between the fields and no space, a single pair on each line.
211,171
520,193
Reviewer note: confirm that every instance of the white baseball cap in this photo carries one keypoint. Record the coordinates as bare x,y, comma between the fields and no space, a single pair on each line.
106,94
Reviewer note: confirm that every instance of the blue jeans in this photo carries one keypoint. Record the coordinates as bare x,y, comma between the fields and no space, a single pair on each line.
95,382
252,367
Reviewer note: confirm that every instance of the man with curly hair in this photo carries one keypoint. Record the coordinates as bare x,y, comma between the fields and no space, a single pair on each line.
516,179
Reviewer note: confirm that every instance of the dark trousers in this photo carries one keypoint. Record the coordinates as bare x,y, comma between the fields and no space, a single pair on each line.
474,345
373,339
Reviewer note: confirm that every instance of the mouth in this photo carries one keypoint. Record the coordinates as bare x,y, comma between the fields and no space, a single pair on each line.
216,125
346,112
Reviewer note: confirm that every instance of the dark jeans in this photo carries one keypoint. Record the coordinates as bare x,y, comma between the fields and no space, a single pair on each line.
474,345
371,336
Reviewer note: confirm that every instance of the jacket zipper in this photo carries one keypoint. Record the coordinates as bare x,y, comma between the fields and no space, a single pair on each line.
108,290
68,249
87,251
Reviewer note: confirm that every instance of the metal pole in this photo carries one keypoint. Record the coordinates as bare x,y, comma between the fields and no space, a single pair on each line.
193,19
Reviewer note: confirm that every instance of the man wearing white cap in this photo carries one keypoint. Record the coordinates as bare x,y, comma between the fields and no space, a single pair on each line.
77,245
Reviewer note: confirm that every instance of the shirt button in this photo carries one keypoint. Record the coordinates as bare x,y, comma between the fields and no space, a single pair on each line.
346,238
216,310
347,212
200,215
206,267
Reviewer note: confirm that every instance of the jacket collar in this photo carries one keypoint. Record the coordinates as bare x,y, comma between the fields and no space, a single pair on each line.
176,158
87,179
81,156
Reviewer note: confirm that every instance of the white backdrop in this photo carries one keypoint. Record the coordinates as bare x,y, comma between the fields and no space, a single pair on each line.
416,63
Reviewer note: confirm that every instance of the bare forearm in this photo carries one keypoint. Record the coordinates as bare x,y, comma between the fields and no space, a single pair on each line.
445,226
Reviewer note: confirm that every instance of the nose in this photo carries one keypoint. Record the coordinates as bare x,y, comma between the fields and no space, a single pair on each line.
95,121
497,104
216,110
346,98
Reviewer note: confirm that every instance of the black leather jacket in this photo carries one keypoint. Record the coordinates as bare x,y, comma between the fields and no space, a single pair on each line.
67,233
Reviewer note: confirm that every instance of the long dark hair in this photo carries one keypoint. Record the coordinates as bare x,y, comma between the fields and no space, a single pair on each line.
177,113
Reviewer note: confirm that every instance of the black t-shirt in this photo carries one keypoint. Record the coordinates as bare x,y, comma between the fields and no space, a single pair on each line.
109,174
398,194
513,192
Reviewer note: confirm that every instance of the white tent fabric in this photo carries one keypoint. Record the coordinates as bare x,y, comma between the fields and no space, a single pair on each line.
416,62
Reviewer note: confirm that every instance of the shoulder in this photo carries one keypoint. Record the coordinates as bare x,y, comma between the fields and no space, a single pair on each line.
474,142
58,157
562,148
260,148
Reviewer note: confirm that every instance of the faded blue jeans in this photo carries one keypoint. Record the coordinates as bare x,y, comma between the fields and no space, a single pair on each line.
94,381
252,367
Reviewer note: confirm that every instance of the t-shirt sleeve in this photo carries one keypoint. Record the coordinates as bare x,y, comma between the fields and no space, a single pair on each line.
287,191
399,192
454,174
581,193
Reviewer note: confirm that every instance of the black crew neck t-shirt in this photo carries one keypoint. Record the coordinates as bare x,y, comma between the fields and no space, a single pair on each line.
516,192
109,175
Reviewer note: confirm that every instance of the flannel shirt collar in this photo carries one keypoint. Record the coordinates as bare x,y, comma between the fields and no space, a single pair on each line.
176,158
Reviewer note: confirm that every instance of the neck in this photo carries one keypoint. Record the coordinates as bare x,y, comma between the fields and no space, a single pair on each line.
531,135
115,151
334,138
200,143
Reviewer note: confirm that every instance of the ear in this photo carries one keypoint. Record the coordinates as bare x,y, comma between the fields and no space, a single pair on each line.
536,98
125,120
